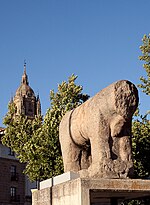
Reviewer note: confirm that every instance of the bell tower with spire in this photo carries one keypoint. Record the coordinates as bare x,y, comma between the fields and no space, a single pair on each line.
25,100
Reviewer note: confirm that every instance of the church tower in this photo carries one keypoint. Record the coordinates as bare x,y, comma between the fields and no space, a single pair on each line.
25,100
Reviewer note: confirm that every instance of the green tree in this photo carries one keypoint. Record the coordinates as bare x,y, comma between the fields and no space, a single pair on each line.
20,134
68,96
141,125
141,146
35,142
145,49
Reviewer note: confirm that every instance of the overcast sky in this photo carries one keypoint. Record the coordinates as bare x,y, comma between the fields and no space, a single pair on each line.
98,40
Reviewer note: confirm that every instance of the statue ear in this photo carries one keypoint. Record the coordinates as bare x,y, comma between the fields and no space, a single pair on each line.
116,125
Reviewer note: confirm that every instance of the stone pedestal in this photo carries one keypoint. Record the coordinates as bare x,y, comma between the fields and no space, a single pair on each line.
73,190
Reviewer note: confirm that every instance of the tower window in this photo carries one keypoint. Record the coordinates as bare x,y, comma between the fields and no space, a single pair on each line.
30,107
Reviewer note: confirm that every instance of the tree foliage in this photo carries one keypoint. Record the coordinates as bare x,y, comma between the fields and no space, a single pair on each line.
141,146
21,135
141,126
66,98
145,49
35,142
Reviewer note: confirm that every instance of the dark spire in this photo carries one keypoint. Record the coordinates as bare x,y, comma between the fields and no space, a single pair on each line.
25,77
24,66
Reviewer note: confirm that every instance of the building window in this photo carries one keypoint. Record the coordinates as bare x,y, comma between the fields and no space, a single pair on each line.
13,169
13,192
14,175
12,153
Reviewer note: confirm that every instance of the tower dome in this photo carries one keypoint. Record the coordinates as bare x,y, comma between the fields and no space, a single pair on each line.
24,89
25,100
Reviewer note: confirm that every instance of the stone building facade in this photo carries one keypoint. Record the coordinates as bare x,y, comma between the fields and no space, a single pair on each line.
12,179
15,188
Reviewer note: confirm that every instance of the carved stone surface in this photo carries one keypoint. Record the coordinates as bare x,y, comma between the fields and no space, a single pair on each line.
95,137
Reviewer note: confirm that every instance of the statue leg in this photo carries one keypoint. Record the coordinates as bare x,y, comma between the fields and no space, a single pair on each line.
71,153
100,155
71,156
126,156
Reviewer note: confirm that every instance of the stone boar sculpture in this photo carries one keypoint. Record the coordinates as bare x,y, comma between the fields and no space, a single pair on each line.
95,137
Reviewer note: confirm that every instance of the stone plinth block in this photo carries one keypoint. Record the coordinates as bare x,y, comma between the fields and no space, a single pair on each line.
65,177
91,192
46,183
58,179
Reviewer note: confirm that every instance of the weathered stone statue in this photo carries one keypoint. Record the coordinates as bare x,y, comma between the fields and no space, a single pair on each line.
95,137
